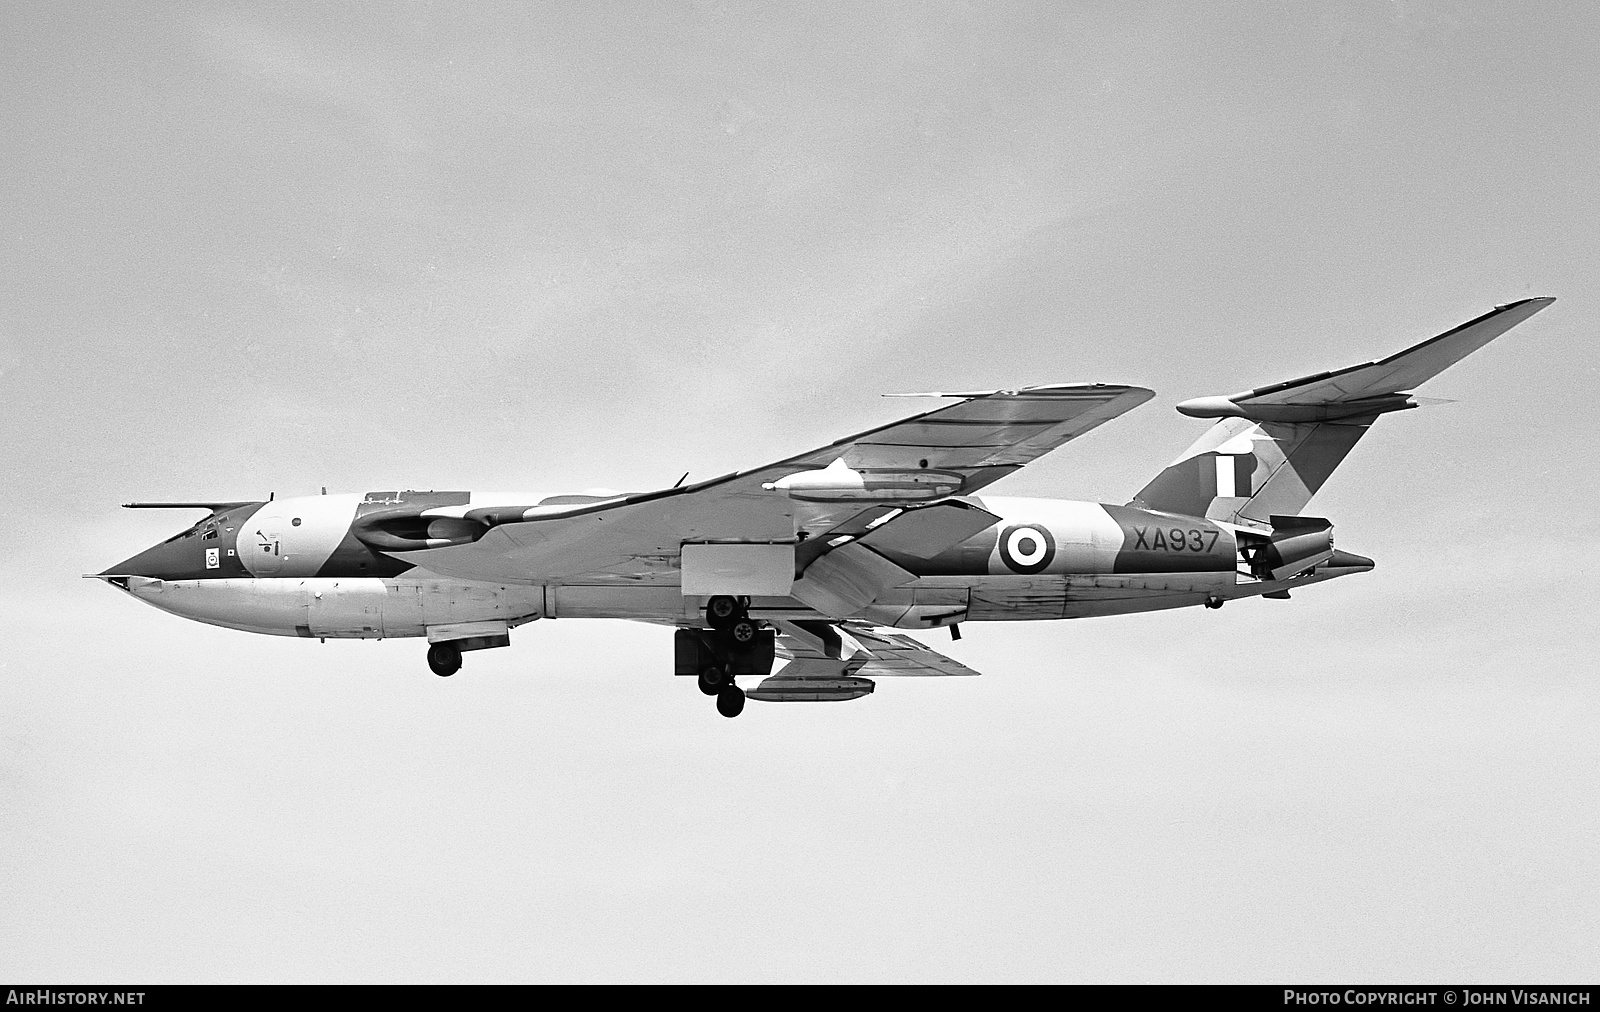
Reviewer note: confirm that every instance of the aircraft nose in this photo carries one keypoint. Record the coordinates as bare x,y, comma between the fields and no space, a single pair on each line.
166,561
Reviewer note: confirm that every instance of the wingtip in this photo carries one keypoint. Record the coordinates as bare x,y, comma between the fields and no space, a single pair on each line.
1541,301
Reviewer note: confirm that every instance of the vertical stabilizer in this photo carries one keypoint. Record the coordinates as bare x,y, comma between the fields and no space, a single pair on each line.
1244,471
1276,445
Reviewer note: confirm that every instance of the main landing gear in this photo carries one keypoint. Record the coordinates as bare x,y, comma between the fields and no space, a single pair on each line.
731,617
730,701
734,646
733,640
715,681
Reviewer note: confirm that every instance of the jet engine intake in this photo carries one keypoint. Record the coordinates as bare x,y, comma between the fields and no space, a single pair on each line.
411,532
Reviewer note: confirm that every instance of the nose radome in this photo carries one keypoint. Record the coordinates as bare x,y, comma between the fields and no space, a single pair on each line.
167,561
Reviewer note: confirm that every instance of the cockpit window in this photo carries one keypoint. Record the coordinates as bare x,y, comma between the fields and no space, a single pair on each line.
208,525
191,532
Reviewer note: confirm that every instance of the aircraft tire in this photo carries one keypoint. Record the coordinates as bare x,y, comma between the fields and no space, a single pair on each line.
742,631
723,611
444,659
712,681
1214,602
730,701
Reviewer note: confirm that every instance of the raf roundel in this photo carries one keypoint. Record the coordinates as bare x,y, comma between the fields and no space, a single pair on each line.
1026,548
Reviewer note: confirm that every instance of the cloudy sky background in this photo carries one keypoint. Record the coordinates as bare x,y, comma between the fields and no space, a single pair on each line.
263,248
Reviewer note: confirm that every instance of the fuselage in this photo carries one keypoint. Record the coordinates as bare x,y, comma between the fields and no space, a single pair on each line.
317,566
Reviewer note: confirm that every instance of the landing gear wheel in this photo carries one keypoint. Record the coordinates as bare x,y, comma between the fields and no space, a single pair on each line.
742,631
444,659
722,611
713,681
1214,602
730,701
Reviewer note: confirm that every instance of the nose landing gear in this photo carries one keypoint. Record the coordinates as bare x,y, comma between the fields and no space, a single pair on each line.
444,659
444,650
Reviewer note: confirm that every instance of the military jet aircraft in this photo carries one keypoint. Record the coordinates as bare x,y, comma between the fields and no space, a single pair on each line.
818,557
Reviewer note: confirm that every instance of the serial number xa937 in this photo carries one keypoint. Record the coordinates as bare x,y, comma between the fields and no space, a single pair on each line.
1174,539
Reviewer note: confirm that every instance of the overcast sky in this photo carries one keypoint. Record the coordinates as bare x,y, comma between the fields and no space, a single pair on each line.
260,248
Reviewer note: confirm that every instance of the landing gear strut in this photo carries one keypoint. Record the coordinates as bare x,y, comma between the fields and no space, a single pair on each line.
734,635
444,659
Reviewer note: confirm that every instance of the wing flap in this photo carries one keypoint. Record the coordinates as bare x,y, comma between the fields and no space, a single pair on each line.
826,649
898,655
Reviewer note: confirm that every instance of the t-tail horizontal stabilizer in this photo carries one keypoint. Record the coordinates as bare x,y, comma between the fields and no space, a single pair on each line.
1276,445
1369,389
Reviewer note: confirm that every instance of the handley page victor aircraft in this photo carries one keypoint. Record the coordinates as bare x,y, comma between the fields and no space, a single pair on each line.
813,558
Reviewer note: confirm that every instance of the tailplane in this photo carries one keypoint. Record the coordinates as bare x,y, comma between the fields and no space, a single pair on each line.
1276,445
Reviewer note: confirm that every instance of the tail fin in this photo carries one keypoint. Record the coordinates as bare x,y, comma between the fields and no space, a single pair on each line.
1276,445
1244,471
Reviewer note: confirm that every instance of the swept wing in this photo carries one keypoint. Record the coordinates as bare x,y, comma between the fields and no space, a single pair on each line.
976,441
